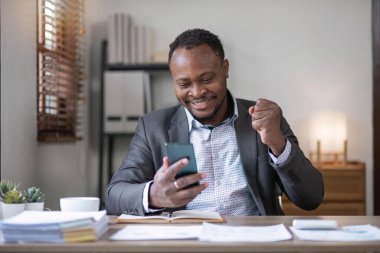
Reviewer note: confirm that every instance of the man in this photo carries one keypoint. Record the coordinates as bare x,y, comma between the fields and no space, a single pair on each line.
244,149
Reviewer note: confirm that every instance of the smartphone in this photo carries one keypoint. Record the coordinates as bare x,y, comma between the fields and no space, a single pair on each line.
176,151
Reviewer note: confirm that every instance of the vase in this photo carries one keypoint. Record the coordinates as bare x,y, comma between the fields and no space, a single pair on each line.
36,206
10,210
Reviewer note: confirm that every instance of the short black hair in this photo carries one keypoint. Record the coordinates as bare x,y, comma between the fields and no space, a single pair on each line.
196,37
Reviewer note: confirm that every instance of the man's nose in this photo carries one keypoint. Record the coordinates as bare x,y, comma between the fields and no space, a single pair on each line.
197,90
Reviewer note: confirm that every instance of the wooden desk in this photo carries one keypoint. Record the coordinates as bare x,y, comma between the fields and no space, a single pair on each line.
293,245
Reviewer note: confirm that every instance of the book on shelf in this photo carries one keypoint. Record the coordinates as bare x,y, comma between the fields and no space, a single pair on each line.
127,33
54,226
119,37
128,42
111,36
182,216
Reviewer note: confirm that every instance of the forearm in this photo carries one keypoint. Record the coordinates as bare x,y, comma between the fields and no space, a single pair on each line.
125,191
122,197
302,183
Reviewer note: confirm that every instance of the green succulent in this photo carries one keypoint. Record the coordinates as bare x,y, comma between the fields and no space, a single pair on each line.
13,197
34,194
6,186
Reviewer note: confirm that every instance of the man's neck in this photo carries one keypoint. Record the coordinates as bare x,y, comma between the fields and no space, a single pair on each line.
230,106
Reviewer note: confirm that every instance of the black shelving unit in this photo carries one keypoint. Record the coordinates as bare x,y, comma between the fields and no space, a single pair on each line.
105,174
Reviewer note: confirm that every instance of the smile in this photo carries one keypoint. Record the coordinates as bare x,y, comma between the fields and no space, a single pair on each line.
200,105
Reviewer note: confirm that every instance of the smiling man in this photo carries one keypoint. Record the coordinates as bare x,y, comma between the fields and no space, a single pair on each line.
245,150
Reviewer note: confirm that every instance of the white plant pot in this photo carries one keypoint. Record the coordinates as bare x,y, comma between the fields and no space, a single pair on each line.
10,210
36,206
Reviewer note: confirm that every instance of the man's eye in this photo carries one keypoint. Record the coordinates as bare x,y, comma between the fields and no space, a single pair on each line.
183,85
207,80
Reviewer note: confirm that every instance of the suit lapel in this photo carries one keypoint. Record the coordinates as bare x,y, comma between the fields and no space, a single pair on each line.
247,141
179,127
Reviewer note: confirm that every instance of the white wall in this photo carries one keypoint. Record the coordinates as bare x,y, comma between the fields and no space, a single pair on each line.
308,56
58,169
18,92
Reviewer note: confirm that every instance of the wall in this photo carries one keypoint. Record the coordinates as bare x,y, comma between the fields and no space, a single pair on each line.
308,56
58,169
18,92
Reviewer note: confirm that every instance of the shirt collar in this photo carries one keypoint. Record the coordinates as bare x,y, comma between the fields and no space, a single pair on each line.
190,117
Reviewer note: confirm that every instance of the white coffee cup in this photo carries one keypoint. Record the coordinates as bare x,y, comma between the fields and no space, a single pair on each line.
79,204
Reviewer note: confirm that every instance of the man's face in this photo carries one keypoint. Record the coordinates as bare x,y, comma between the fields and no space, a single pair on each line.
200,84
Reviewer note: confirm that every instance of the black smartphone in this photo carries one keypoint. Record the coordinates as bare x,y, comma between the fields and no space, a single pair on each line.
176,151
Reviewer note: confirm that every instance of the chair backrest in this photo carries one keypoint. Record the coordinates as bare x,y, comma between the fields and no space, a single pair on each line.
279,193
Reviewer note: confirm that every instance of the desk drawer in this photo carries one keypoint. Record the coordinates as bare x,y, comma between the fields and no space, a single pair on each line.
327,208
344,185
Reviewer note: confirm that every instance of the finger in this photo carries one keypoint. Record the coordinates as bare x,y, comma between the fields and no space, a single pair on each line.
177,167
191,193
185,181
251,110
184,196
161,173
264,104
258,115
165,163
257,125
176,186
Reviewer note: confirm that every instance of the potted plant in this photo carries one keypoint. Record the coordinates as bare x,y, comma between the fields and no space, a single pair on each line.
6,186
13,202
34,198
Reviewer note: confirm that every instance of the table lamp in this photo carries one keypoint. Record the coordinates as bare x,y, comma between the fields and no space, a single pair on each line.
328,132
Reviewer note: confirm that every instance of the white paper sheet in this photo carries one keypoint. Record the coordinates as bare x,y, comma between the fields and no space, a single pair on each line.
157,232
225,233
345,233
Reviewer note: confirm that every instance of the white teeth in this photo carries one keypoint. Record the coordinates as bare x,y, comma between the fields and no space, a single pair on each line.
200,102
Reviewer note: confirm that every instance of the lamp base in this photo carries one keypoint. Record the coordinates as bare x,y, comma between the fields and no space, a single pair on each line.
334,158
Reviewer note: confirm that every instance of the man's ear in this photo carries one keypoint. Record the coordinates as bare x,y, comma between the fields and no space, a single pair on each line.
226,67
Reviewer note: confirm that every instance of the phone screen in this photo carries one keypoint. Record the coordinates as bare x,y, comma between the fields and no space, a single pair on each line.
176,151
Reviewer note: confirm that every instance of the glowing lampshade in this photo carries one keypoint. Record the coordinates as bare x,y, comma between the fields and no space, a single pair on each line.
330,130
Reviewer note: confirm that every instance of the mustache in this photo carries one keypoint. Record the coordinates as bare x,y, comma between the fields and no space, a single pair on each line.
200,99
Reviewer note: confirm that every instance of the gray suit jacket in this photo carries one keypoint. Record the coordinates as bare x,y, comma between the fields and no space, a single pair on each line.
297,178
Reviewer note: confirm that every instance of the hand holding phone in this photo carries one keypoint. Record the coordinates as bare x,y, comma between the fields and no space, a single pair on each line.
167,191
176,151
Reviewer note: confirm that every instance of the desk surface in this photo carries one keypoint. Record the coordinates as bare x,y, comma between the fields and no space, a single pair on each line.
294,245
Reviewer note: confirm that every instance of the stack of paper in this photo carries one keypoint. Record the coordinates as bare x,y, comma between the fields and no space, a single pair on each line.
54,226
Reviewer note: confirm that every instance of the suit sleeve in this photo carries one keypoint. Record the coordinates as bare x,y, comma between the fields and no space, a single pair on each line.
301,182
124,193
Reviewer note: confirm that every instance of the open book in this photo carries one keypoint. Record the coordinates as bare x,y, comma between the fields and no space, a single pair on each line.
182,216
